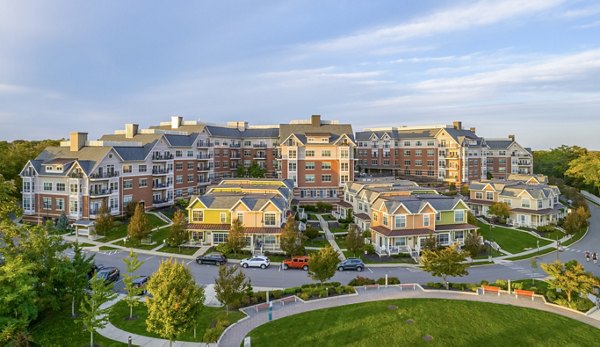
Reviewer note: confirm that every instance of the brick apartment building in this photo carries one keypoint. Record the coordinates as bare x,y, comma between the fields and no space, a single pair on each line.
318,156
447,153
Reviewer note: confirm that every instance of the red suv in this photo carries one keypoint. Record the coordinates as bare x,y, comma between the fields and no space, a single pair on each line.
299,262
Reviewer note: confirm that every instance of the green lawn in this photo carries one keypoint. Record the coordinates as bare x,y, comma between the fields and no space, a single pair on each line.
107,248
338,230
59,329
510,240
535,254
156,236
184,250
312,216
328,217
120,312
84,244
317,242
120,229
341,242
576,237
449,322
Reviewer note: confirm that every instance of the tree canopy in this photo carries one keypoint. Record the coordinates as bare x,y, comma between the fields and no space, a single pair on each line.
292,240
323,264
571,278
445,262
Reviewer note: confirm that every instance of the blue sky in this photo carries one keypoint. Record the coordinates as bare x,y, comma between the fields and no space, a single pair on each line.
529,68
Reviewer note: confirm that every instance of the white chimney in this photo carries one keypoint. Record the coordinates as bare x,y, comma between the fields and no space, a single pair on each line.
176,122
77,141
131,130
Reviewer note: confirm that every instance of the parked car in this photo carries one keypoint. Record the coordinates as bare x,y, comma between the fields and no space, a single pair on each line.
299,262
351,264
212,258
109,274
141,282
257,261
95,268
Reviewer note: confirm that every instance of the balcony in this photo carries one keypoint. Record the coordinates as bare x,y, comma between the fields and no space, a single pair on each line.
260,157
202,156
161,202
202,144
260,145
160,186
104,175
235,145
161,171
94,193
165,156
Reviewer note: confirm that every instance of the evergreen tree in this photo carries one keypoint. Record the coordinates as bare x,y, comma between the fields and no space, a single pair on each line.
236,239
92,316
138,228
291,239
104,221
178,234
323,264
174,302
63,222
230,286
133,263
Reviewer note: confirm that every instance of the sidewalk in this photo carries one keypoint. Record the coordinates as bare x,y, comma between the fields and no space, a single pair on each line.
235,334
330,237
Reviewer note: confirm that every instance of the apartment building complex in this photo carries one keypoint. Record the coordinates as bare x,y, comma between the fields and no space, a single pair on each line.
318,156
531,200
507,157
262,205
401,215
447,153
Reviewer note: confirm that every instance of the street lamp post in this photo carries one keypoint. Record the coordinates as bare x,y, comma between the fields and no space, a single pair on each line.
538,245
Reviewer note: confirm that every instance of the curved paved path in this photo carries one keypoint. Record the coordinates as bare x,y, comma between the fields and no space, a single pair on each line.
234,336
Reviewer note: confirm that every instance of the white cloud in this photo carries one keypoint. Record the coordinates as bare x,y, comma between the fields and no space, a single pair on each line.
454,19
582,12
12,88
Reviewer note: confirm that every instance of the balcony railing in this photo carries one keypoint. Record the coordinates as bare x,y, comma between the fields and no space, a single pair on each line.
204,156
165,156
99,192
205,144
260,145
161,185
235,145
108,174
161,201
161,171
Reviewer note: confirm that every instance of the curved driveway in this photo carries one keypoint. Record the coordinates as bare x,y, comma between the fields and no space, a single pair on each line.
272,277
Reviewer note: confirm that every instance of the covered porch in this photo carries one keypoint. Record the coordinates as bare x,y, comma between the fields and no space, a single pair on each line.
258,240
342,210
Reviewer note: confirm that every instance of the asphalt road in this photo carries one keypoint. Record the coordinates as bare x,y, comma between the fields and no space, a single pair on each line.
275,278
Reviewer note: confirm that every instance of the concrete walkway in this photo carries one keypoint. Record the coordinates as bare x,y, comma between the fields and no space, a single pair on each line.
330,237
235,334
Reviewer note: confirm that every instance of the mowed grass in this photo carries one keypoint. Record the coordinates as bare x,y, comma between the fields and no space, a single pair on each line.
510,240
120,229
59,329
120,312
449,322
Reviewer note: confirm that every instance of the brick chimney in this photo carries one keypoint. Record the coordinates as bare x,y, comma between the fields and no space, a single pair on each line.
315,120
77,140
457,125
176,122
131,130
511,137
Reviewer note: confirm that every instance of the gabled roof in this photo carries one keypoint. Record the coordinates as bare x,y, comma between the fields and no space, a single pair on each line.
181,140
135,153
285,130
142,138
498,144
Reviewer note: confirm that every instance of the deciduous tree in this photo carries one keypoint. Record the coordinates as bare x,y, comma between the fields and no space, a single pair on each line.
355,243
291,239
473,244
104,221
576,220
133,263
77,278
500,210
571,278
311,232
174,301
178,234
230,286
236,239
445,262
138,227
92,316
430,242
323,264
256,171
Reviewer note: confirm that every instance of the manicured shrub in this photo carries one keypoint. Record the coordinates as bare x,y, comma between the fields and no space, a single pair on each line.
361,281
518,286
551,295
502,284
391,280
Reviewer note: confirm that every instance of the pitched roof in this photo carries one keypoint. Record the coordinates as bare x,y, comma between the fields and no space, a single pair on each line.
498,144
181,140
143,138
285,130
134,153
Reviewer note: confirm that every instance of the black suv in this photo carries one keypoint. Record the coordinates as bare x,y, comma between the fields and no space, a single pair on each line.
212,258
351,264
141,282
109,274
